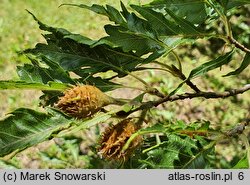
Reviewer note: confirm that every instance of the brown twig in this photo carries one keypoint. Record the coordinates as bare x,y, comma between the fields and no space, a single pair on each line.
238,45
190,84
206,95
187,81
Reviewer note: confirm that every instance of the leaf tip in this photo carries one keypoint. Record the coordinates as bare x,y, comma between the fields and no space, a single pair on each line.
65,4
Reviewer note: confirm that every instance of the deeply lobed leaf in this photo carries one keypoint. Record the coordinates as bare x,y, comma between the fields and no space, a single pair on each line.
193,10
25,127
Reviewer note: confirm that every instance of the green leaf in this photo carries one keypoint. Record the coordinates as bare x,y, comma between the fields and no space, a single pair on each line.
99,118
134,23
186,145
244,64
103,84
213,64
242,163
73,52
172,148
136,35
217,7
157,128
51,90
200,160
32,73
165,154
6,165
25,127
177,88
53,86
98,59
80,39
185,26
35,73
129,41
163,157
113,14
193,11
131,34
139,98
42,26
158,21
124,11
95,8
228,4
138,25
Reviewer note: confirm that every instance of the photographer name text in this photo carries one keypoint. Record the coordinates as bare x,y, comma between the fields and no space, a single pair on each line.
59,176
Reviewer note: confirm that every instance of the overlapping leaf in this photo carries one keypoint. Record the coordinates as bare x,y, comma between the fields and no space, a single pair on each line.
132,35
129,41
158,21
25,127
200,160
113,14
141,36
35,73
74,52
193,10
186,27
166,154
71,56
179,144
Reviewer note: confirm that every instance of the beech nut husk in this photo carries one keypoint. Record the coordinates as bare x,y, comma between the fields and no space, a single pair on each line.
83,101
115,137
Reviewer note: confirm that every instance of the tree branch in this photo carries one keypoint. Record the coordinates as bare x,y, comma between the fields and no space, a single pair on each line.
183,77
206,95
238,45
190,84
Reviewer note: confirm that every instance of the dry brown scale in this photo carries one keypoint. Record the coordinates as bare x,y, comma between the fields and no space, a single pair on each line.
114,138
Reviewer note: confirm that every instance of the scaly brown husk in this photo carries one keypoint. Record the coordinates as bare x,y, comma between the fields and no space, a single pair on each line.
83,101
114,138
